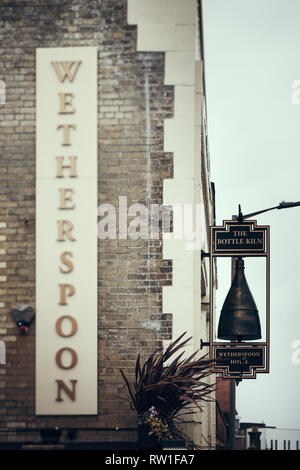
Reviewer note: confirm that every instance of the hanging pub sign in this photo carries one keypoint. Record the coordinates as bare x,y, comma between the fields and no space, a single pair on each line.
236,362
235,238
241,349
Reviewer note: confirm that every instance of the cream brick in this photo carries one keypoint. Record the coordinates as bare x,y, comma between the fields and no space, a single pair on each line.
10,339
162,11
185,37
156,37
178,135
178,191
141,11
181,11
180,302
175,249
3,278
180,68
182,269
3,224
3,265
184,102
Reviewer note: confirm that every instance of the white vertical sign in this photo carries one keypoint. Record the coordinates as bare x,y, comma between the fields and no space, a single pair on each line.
66,231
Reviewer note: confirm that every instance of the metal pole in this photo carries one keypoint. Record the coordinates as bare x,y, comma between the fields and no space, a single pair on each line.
232,382
232,415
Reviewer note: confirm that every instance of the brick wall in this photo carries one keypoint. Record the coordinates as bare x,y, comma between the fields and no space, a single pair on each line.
131,163
223,411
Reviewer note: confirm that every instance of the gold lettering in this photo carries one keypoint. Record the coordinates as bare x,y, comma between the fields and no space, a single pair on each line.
65,197
65,101
240,233
69,392
58,326
65,227
64,69
63,292
230,241
67,262
58,358
252,241
71,166
66,132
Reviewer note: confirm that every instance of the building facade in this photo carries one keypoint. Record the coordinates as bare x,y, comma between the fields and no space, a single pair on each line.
151,164
271,437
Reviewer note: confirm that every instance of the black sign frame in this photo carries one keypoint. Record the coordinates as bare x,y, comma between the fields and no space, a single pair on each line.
239,362
238,239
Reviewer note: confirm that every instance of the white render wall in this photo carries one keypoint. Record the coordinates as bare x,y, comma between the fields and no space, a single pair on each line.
170,26
282,435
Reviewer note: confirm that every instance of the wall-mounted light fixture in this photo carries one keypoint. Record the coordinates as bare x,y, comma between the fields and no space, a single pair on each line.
23,315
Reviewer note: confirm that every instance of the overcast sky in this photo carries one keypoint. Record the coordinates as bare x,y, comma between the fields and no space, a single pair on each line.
252,59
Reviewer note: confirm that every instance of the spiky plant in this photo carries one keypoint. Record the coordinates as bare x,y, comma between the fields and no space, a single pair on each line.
170,385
